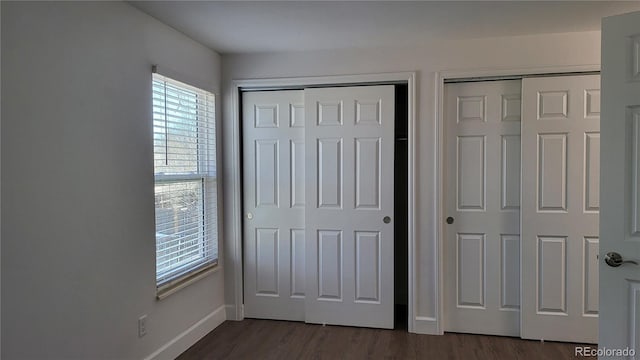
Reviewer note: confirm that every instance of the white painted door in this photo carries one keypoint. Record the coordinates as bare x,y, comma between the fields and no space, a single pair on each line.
274,203
620,191
349,178
560,207
482,192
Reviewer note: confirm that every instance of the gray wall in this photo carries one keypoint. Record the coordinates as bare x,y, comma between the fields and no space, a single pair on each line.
78,241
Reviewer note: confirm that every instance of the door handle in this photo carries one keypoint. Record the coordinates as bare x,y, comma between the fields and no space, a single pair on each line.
614,259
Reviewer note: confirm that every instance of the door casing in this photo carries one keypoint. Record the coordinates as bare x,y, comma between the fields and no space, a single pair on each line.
235,312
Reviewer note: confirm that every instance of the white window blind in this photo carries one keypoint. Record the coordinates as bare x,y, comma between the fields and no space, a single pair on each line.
185,179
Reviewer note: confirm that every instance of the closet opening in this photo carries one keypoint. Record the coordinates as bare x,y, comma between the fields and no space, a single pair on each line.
266,286
401,250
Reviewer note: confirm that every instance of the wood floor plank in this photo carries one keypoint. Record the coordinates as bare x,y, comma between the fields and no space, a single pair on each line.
269,339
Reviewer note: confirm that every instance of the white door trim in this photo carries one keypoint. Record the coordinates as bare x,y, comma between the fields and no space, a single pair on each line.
438,231
234,186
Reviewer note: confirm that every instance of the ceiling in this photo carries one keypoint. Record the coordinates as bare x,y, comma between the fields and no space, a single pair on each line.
272,26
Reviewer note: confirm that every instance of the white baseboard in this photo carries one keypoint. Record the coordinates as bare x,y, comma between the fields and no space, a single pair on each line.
426,325
187,338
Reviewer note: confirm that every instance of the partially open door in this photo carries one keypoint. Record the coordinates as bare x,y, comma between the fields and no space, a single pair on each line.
620,186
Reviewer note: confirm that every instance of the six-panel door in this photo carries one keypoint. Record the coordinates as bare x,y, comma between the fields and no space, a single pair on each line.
349,141
482,199
620,191
274,203
560,207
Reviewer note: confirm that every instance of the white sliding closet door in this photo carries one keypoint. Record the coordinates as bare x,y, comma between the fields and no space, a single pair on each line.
319,248
349,140
482,203
560,207
274,201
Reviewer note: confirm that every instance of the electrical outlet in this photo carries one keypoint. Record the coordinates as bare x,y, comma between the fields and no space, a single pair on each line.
142,325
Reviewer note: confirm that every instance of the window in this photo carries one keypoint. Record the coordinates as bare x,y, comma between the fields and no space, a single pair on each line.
185,182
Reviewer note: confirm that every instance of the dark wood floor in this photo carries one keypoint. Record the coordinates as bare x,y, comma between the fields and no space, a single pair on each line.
267,339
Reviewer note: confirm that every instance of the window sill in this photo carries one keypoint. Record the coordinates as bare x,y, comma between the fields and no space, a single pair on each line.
176,285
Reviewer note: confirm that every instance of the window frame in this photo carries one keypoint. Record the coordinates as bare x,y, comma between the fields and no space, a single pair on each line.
182,275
